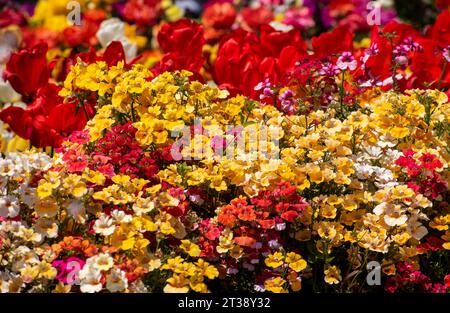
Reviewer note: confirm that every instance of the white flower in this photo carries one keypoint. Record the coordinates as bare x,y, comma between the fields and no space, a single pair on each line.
393,214
116,281
121,216
383,175
281,27
90,280
104,225
363,171
416,229
27,194
143,205
77,210
373,152
103,262
113,29
46,227
386,141
9,207
7,93
7,167
138,287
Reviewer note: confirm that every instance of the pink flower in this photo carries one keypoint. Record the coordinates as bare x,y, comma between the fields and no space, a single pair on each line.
346,61
68,269
76,160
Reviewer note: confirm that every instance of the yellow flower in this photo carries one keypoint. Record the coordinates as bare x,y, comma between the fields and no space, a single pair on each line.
75,186
315,174
190,248
295,261
46,207
61,288
177,284
15,144
349,203
217,183
399,132
94,177
166,228
44,190
46,270
327,230
53,178
29,273
173,264
441,222
128,243
206,269
401,192
274,260
275,284
333,275
122,180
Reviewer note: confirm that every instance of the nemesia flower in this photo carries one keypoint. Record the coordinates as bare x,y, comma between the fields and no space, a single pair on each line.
332,275
346,61
268,146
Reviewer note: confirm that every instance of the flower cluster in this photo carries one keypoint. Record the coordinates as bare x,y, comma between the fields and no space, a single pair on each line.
249,148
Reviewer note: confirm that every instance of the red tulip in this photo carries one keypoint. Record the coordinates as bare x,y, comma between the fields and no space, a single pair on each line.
244,60
440,31
114,53
219,15
47,120
182,42
253,18
27,70
336,41
9,16
142,12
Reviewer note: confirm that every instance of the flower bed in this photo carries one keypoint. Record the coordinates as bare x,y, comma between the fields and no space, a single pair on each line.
250,149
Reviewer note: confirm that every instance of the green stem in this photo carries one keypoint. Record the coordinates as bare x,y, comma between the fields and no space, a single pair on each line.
442,75
133,116
342,94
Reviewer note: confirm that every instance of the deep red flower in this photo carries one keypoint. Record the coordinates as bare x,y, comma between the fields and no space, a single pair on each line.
391,285
219,15
447,281
182,43
338,40
9,16
142,12
218,19
47,120
440,31
114,53
244,59
253,18
442,4
27,70
430,161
